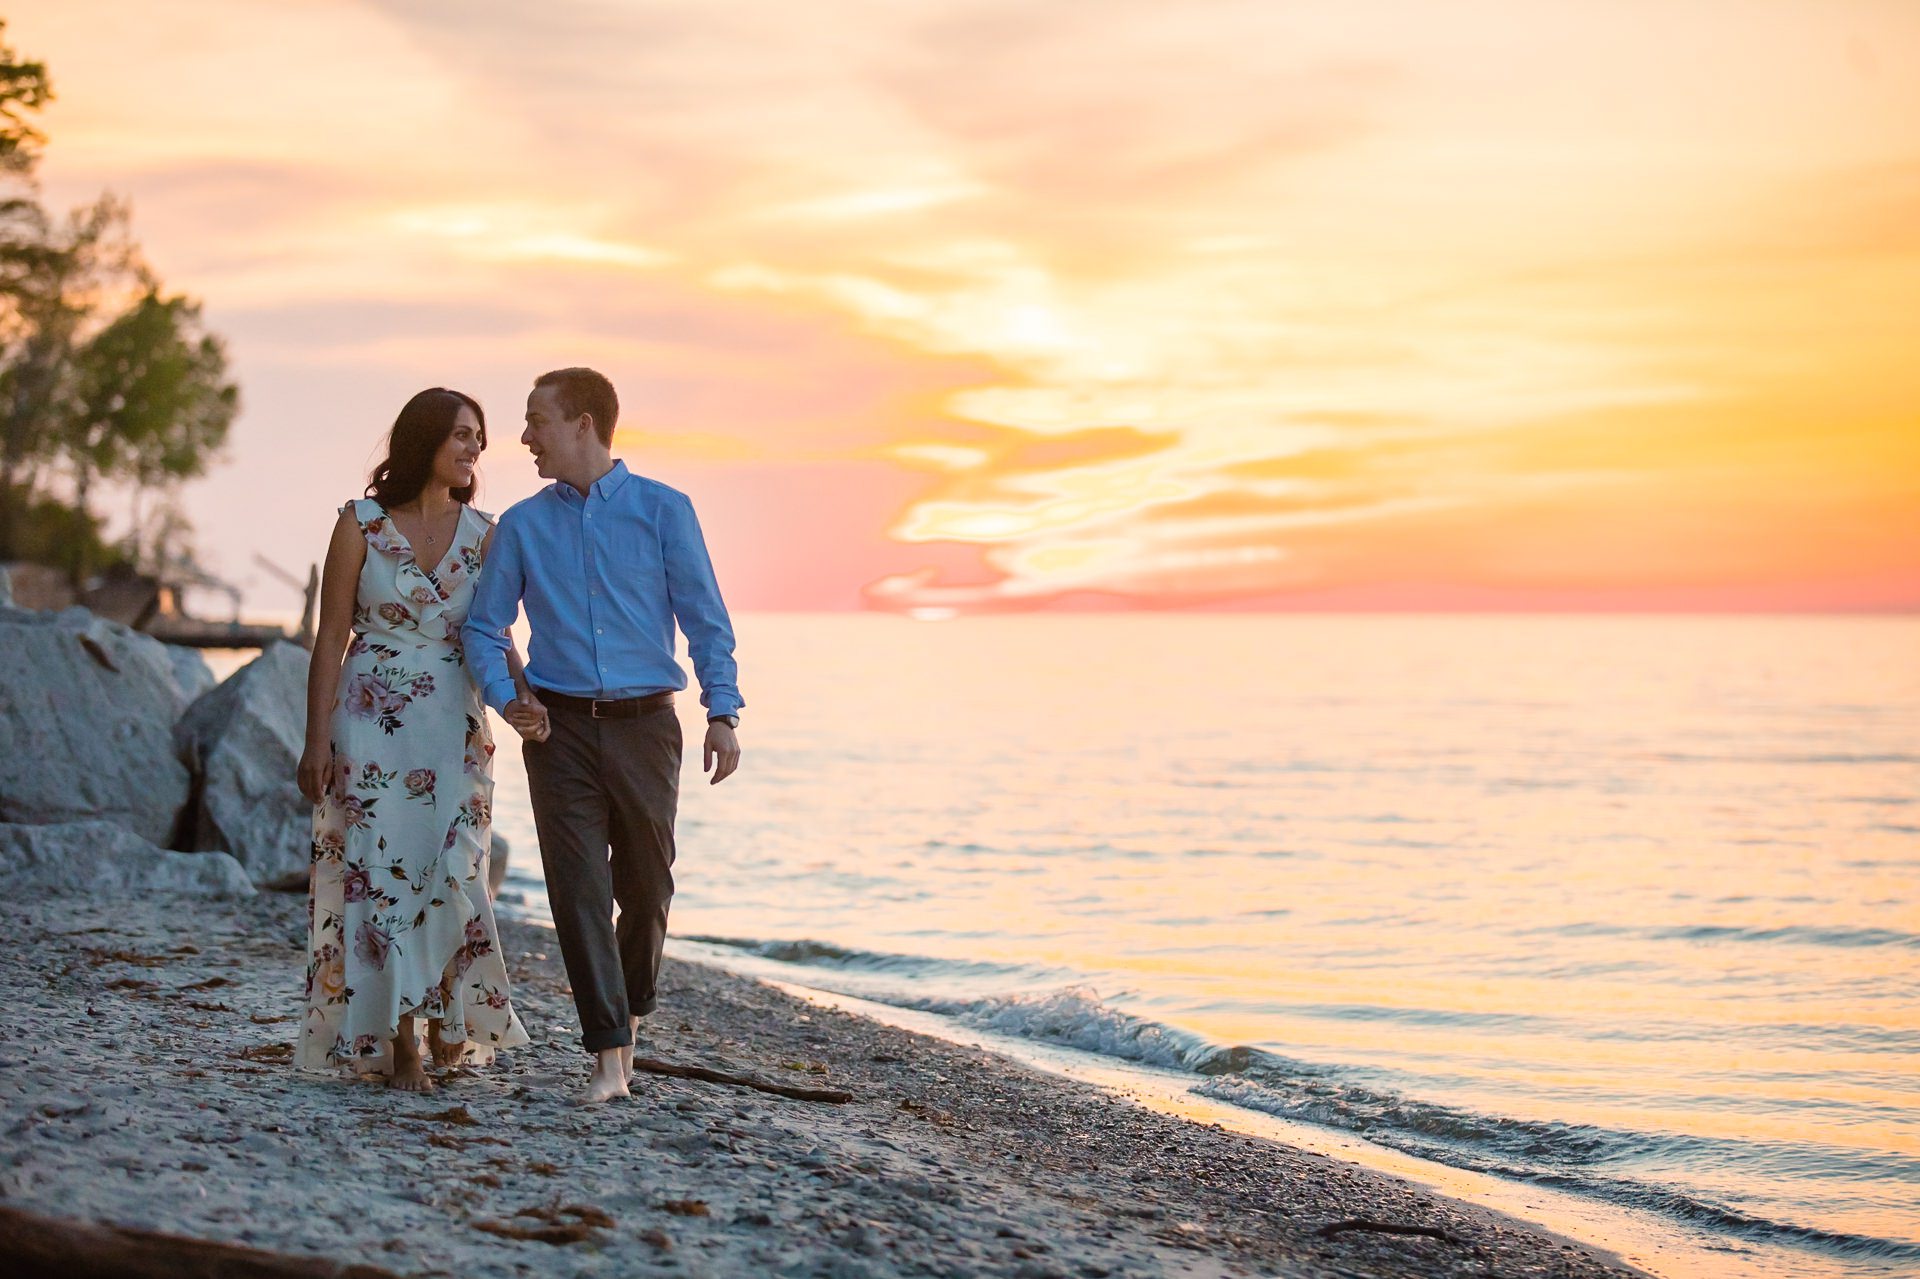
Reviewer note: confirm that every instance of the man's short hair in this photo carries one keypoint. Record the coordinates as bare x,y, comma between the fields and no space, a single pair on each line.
580,391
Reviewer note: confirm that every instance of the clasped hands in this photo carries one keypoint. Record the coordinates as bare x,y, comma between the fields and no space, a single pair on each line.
528,717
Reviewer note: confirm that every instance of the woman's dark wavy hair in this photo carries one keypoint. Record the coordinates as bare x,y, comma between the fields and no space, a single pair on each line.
422,427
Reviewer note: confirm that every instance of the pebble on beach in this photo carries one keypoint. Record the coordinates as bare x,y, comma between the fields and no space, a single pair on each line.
144,1082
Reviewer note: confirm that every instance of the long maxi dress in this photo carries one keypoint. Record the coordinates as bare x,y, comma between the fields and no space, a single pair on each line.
400,917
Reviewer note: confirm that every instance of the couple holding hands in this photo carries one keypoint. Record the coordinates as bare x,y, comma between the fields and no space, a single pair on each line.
417,596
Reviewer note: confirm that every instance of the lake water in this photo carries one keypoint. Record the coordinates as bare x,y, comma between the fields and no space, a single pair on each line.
1622,906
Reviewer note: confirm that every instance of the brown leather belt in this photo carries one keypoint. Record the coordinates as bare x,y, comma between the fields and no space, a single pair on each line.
605,707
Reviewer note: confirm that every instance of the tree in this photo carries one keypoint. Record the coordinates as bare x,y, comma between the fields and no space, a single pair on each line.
99,369
148,402
56,280
24,87
28,331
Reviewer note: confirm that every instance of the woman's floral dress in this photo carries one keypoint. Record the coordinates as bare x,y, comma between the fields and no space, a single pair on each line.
400,919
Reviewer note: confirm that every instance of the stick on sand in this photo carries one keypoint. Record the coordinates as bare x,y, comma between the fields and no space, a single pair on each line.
656,1067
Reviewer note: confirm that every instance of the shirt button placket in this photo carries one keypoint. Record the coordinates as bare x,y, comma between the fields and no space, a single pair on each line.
586,539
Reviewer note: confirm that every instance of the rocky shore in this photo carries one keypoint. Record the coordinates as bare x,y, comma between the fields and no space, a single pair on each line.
145,1076
144,1082
118,754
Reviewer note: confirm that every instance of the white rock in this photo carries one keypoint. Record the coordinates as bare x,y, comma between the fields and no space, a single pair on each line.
101,859
243,741
190,670
86,718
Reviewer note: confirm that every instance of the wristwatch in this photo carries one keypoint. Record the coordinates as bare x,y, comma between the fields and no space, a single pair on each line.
731,721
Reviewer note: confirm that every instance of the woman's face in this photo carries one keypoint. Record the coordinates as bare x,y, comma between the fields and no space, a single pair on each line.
453,464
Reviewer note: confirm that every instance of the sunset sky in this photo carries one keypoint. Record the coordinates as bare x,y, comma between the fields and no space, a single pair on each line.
942,305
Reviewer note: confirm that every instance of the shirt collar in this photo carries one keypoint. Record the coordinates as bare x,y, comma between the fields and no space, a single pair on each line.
603,488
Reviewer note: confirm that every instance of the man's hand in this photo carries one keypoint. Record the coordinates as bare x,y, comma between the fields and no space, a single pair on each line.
721,755
527,716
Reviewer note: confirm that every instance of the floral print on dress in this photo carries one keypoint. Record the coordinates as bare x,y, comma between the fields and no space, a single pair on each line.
399,918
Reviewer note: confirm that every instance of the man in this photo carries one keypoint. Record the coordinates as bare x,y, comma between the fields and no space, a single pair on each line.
606,563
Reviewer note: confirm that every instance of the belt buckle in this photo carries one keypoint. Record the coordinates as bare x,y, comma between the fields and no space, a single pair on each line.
598,702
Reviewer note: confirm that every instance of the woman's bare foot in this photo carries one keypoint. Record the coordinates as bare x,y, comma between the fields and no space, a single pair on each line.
444,1053
609,1078
409,1072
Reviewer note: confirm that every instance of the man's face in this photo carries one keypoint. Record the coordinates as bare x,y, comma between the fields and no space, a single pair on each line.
551,437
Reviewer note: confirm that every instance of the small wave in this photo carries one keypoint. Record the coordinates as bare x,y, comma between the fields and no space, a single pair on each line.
1514,1023
1823,757
1578,1157
1565,1156
1790,934
821,954
1077,1018
1730,1221
1424,1128
1838,935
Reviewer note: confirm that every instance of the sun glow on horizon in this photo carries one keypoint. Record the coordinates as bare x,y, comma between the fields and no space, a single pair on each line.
1020,306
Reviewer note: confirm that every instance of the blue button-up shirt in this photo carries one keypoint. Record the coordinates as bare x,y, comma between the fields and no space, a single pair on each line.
604,575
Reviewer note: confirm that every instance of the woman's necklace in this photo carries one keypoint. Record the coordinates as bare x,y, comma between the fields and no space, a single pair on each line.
428,538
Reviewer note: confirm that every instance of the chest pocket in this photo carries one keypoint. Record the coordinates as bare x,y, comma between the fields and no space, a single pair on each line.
635,555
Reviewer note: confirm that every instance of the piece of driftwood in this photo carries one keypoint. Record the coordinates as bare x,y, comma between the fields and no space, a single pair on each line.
557,1230
558,1234
1385,1228
655,1067
294,881
48,1248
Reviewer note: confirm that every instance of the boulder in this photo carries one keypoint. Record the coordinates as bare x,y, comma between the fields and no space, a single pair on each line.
104,860
190,670
6,587
86,719
243,740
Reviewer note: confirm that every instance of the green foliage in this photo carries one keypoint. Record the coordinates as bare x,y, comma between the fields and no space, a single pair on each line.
54,276
149,401
24,88
49,531
103,377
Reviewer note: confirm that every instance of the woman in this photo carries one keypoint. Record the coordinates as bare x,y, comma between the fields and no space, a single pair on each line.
399,766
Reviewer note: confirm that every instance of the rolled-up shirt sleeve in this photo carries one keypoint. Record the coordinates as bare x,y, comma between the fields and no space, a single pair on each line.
496,603
694,593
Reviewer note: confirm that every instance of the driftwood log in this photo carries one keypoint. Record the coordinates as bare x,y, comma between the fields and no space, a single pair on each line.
1333,1228
656,1067
48,1248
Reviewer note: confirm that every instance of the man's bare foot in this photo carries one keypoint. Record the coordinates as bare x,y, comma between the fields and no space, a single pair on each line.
609,1078
626,1053
444,1053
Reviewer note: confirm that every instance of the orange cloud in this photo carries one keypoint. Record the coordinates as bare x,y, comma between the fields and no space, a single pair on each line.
992,305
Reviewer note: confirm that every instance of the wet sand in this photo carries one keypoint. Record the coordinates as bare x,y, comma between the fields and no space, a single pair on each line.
144,1083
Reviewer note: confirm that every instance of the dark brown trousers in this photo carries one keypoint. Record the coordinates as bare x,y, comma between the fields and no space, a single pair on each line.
604,794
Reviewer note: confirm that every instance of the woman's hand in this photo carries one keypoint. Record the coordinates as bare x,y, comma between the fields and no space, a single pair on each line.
527,715
316,762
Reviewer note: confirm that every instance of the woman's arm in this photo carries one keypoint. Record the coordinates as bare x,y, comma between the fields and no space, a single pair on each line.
522,691
541,725
339,587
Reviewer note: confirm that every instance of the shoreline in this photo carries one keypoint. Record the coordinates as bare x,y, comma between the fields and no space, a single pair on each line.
1626,1236
948,1160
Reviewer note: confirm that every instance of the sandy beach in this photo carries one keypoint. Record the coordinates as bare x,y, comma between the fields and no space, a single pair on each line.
143,1083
